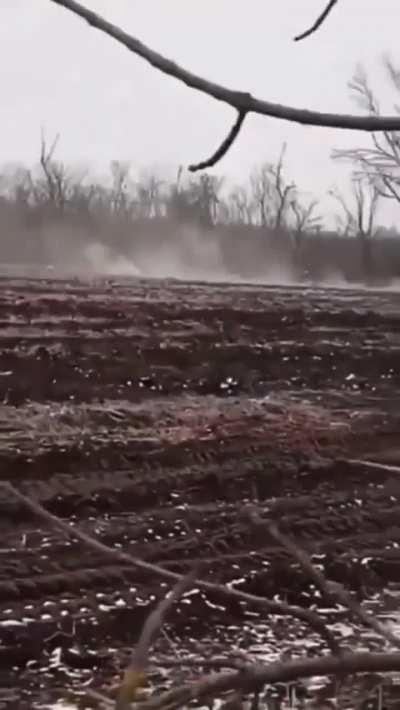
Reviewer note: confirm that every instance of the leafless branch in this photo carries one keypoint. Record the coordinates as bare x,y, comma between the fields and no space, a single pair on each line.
304,220
242,101
46,157
248,676
266,605
361,217
215,662
376,165
318,22
380,162
224,147
372,466
248,680
332,591
393,72
241,209
135,673
57,189
271,192
282,190
391,192
362,92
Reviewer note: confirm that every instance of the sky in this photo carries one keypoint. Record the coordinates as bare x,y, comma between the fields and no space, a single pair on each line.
107,104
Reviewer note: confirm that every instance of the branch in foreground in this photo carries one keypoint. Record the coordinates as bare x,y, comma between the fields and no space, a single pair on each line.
135,673
242,101
318,22
224,147
371,466
257,676
332,591
268,606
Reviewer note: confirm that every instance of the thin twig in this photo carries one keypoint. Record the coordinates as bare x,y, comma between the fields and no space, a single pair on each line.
102,701
156,619
266,605
134,675
242,101
304,560
371,466
214,663
224,147
318,22
332,591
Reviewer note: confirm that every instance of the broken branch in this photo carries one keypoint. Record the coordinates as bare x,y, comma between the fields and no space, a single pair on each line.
318,22
135,673
224,147
332,591
264,604
242,101
256,676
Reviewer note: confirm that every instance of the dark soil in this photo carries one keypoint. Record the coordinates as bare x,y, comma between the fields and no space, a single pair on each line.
149,413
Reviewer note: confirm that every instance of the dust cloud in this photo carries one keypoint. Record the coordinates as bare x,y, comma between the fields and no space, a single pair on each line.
189,257
184,253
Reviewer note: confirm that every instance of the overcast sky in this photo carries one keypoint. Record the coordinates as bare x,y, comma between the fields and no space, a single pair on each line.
57,72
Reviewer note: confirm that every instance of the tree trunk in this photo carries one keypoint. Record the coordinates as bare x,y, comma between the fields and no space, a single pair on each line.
367,262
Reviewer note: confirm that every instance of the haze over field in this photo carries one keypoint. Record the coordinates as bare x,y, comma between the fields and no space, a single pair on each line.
110,107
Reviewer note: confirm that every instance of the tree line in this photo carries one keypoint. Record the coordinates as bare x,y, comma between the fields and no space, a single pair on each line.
50,203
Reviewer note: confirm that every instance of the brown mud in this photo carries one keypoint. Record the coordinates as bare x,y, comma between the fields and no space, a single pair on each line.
150,413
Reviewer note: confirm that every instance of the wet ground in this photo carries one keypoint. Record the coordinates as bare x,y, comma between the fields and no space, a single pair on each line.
150,413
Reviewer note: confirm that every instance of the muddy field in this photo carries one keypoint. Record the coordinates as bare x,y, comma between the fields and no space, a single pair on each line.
150,413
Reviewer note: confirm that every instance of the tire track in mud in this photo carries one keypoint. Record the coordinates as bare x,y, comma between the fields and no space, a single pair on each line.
150,413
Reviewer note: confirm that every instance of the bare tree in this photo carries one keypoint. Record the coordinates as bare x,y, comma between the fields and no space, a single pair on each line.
239,207
305,221
57,184
283,190
261,188
358,219
140,198
150,196
195,200
271,193
243,102
209,187
381,160
53,189
120,202
16,185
